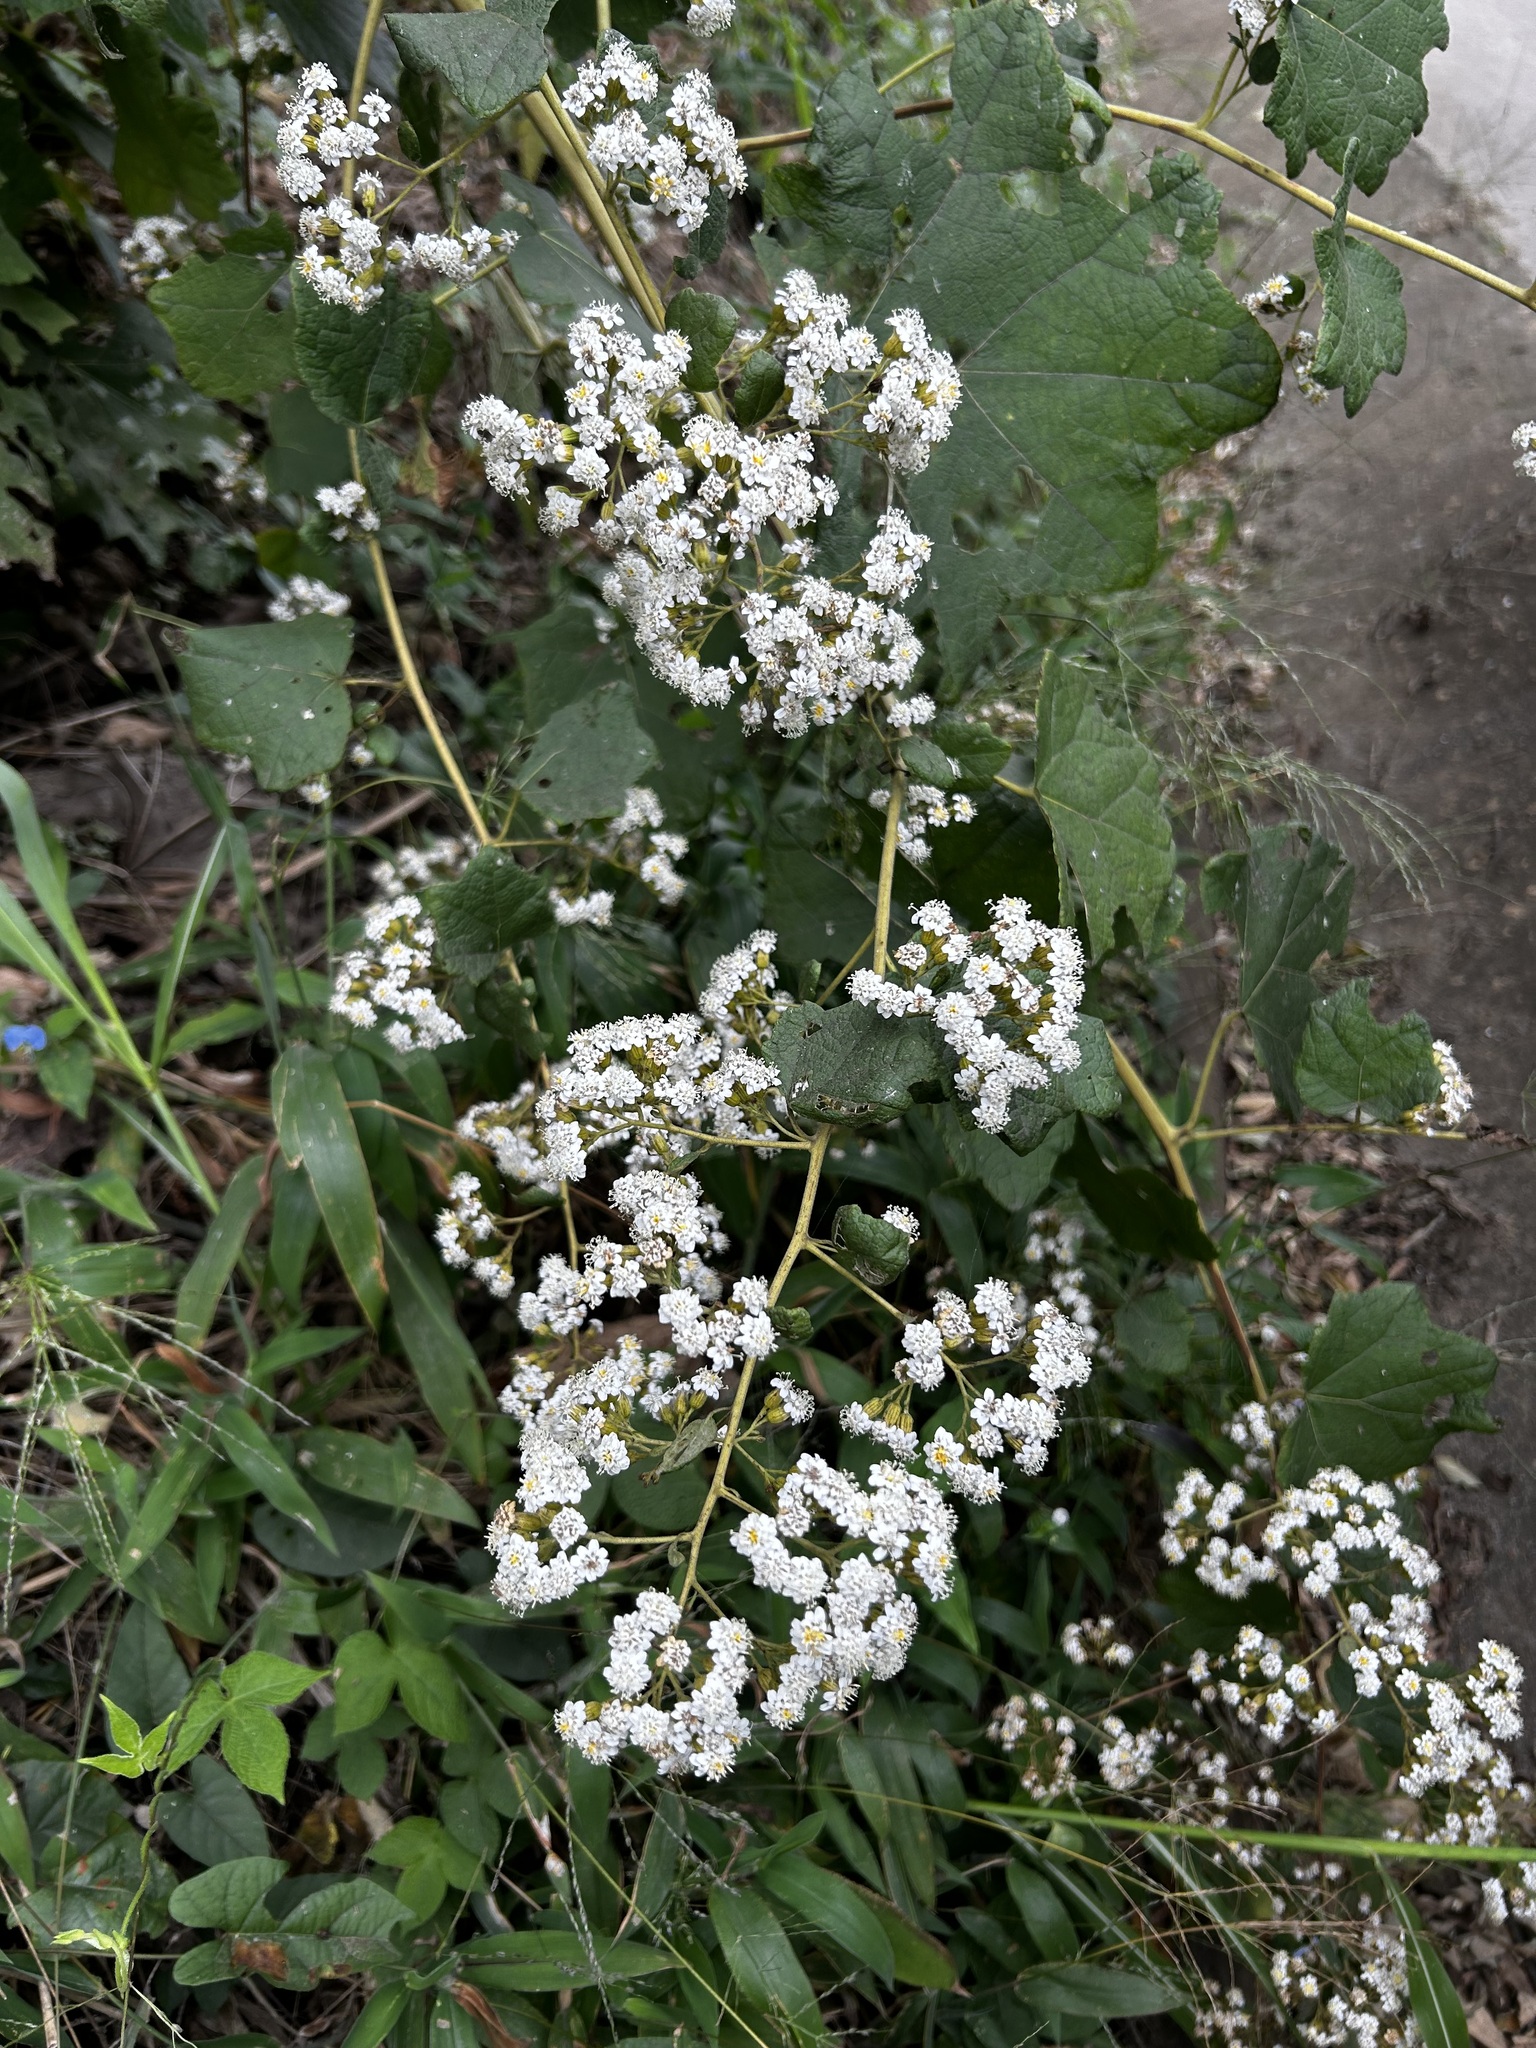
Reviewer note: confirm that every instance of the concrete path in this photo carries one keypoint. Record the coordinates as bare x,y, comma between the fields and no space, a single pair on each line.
1392,568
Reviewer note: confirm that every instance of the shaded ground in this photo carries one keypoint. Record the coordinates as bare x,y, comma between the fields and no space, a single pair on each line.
1392,566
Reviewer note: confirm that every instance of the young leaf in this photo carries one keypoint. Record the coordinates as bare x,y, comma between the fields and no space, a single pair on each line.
1098,785
493,904
146,1676
1372,1374
1352,71
1288,908
429,1689
260,1679
759,388
1351,1066
486,60
315,1130
1364,330
273,693
229,341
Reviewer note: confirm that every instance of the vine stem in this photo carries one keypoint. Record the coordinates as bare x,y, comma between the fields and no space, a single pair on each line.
1192,131
799,1238
1172,1144
888,870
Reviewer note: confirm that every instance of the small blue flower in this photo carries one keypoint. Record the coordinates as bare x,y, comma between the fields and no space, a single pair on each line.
24,1038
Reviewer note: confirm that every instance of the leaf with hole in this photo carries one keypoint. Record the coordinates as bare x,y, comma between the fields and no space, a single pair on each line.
271,693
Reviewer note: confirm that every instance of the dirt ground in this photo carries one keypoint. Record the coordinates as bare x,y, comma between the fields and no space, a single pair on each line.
1392,569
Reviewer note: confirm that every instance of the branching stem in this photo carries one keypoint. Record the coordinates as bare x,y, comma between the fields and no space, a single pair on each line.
1210,1270
799,1238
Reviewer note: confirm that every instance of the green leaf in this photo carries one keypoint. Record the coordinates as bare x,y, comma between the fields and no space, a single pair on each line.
1098,785
315,1129
271,692
1138,1208
202,1286
1096,349
429,1690
1372,1375
146,1676
1288,908
23,535
587,758
709,324
1351,71
495,903
217,1820
973,748
441,1356
1351,1066
115,1192
552,1959
229,1896
1364,330
858,161
759,388
1040,1908
1097,1991
386,1473
15,1841
1092,1087
1436,2006
365,1681
1156,1331
832,1906
486,60
68,1074
1016,1180
253,1453
255,1746
818,910
877,1251
229,342
359,366
167,146
850,1066
919,1959
758,1955
260,1679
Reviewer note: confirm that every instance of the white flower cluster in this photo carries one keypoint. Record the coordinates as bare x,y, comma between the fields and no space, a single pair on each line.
1028,1722
1313,1530
1128,1757
1265,1689
300,597
418,867
1269,300
236,478
694,151
1251,16
1096,1642
346,247
710,17
635,839
707,489
665,1082
348,505
154,248
1053,1247
391,971
1452,1105
924,809
1368,2007
1454,1754
700,1733
1021,977
1523,440
1301,353
1055,12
